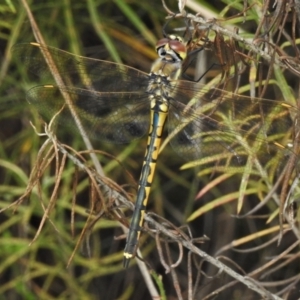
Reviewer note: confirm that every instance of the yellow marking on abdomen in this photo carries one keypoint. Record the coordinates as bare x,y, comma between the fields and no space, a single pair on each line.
146,178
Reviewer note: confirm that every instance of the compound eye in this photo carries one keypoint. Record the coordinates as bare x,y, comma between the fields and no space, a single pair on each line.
171,48
162,43
177,46
174,43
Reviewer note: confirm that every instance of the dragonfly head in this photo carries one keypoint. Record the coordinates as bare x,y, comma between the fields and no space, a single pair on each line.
171,49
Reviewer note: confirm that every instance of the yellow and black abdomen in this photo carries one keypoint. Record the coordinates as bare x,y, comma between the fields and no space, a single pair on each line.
159,112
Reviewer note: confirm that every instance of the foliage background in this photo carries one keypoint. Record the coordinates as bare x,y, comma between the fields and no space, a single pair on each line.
121,31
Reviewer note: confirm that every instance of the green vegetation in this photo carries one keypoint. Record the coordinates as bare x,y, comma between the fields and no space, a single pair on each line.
61,224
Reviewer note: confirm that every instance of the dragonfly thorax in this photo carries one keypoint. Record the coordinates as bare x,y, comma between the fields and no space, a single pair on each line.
160,85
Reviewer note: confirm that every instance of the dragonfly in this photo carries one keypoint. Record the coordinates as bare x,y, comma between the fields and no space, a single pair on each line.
118,103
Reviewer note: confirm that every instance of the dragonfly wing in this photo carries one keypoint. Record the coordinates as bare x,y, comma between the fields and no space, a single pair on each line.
78,71
194,136
115,117
217,125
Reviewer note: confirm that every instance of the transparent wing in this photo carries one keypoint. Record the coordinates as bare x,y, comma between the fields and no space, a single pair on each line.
115,117
78,71
208,124
219,125
119,113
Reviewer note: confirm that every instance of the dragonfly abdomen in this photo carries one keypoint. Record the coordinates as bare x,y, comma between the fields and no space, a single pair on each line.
159,113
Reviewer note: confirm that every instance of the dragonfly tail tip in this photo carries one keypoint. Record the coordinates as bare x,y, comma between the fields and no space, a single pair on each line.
126,262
